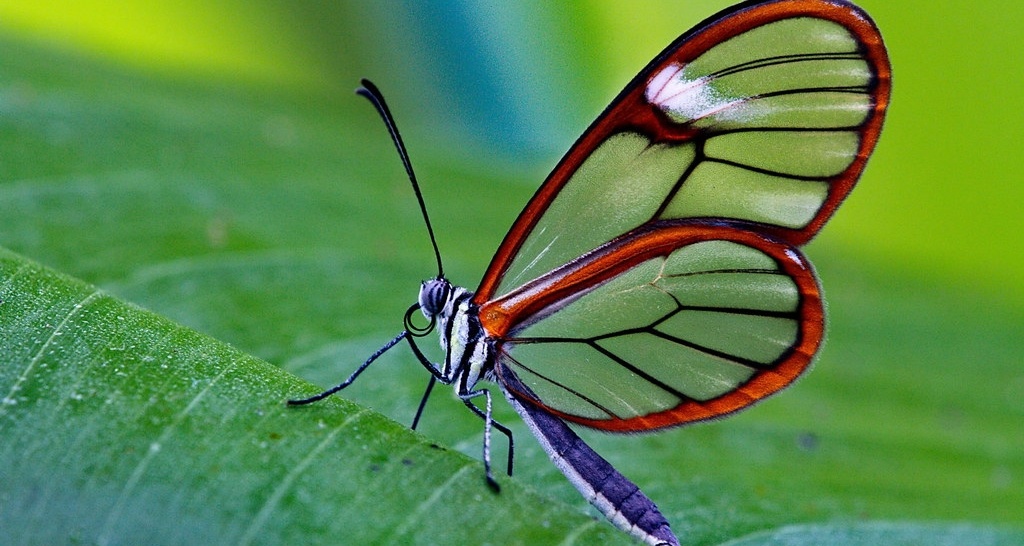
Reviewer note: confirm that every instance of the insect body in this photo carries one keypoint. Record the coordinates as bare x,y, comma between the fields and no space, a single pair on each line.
655,278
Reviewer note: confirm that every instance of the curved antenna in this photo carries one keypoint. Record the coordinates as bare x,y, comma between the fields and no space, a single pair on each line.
370,91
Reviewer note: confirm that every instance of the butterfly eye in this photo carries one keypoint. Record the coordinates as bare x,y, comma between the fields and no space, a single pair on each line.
433,295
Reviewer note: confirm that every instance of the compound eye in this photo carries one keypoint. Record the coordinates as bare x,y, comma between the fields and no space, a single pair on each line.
433,295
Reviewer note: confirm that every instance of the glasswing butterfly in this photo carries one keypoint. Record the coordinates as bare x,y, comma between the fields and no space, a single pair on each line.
655,278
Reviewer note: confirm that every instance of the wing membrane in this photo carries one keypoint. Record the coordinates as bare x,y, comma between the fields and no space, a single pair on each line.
764,117
671,324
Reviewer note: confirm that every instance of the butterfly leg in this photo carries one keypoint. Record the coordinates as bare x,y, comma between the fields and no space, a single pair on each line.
501,428
434,370
351,379
423,402
489,422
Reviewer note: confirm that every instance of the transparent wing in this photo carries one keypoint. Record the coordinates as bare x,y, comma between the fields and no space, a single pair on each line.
677,322
764,115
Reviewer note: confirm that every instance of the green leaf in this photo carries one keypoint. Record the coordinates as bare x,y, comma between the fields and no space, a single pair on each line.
890,534
121,427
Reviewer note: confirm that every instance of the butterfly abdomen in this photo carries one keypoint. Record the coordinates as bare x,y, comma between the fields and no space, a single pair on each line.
619,499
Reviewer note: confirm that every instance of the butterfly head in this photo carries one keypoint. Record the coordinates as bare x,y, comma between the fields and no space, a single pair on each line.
434,295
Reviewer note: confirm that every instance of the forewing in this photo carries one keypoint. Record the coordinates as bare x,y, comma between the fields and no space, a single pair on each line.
764,116
671,324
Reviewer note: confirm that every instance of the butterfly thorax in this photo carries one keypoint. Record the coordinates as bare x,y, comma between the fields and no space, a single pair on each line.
466,348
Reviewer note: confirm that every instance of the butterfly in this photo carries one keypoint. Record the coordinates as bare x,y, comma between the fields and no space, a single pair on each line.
655,278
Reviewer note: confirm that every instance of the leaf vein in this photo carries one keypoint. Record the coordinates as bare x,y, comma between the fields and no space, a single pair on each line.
289,479
140,469
42,349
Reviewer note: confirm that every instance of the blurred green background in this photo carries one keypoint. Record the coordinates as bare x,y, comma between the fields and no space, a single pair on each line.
207,161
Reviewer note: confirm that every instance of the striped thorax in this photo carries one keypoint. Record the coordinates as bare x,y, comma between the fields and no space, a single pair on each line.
467,351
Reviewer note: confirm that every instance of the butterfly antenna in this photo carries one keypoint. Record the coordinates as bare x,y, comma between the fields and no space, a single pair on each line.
370,91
